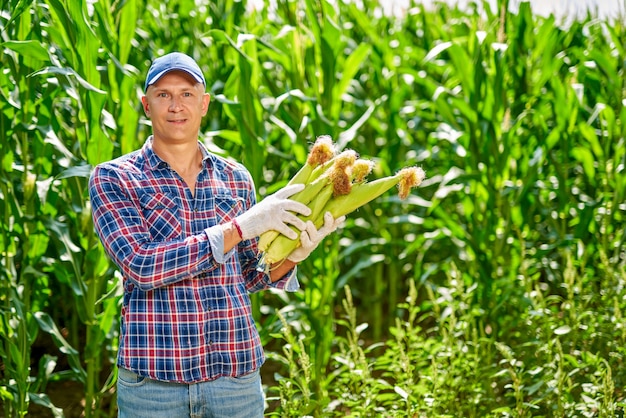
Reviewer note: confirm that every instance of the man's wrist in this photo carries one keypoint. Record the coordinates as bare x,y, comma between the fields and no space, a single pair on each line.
237,227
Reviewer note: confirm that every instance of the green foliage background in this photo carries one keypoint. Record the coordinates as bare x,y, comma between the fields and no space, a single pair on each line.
496,289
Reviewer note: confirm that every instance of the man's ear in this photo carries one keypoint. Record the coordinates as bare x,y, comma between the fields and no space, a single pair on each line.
146,107
206,99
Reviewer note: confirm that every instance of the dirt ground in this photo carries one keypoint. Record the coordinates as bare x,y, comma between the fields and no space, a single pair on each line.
65,395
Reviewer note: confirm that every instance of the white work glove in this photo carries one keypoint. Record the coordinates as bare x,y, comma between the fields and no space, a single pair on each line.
311,237
275,212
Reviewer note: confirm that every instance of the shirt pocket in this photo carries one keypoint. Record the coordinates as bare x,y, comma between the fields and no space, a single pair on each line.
161,213
227,206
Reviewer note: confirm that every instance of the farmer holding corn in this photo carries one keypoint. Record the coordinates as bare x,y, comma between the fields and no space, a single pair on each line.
182,225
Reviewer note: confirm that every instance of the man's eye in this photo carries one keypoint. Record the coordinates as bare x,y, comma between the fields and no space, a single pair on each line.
162,95
187,94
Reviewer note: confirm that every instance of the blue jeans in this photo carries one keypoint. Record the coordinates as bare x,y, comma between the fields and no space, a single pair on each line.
227,397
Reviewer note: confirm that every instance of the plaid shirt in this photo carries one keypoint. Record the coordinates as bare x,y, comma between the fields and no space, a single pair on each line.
186,313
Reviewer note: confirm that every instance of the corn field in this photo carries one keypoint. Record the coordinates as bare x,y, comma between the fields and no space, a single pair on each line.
497,289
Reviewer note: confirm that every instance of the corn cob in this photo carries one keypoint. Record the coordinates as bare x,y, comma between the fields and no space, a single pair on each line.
313,193
321,153
311,190
358,195
339,183
364,193
335,184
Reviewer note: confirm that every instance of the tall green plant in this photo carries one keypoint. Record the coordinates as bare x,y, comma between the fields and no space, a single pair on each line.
24,237
516,119
54,121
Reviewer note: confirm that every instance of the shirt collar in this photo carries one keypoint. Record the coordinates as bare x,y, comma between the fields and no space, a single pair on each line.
152,159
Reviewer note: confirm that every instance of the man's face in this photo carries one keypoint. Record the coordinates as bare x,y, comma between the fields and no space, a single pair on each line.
176,104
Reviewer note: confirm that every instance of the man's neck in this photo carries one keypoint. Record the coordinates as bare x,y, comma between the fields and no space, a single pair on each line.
184,158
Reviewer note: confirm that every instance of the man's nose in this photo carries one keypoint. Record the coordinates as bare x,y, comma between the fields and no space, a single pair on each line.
174,104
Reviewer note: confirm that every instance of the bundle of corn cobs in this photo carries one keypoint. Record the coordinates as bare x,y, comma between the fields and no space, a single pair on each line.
334,183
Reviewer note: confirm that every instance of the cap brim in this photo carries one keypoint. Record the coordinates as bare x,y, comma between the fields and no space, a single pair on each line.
157,76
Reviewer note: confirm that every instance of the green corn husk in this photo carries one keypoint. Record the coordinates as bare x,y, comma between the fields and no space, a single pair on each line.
359,195
363,193
340,164
320,156
338,183
282,246
335,184
310,191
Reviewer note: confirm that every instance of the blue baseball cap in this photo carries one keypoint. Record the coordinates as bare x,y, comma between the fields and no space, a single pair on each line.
171,62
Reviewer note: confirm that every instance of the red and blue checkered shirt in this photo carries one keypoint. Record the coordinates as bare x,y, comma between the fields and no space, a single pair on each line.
186,313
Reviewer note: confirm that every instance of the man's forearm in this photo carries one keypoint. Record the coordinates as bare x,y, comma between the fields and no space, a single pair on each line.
232,238
279,270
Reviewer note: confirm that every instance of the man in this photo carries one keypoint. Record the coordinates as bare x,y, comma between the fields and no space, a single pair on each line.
182,226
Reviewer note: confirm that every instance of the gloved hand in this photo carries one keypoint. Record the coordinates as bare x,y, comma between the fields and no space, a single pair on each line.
311,237
275,212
